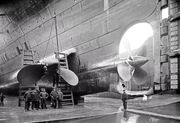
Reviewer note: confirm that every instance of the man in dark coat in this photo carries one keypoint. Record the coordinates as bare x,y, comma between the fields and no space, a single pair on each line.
124,99
35,99
54,96
38,98
2,99
28,99
60,97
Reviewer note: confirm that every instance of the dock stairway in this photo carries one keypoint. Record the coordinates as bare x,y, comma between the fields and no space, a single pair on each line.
27,59
65,87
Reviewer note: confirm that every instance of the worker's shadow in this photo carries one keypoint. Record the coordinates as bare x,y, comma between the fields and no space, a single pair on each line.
125,114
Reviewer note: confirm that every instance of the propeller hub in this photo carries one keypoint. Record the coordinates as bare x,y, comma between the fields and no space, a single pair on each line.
138,61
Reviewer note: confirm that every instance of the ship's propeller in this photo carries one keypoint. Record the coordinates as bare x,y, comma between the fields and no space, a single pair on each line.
31,74
125,71
134,73
130,70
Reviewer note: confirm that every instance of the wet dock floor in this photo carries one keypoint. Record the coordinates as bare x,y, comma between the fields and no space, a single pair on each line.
171,109
120,118
11,113
94,110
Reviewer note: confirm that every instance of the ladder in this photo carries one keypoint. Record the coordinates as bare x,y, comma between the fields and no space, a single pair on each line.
65,87
27,59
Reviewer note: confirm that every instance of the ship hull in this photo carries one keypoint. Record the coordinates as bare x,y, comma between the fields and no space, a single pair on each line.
95,31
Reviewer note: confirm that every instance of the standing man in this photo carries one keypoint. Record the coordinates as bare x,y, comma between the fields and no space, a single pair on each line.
35,99
38,97
2,98
43,95
60,98
28,99
54,96
124,99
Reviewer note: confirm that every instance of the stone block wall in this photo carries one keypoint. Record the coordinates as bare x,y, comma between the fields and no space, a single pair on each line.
174,39
164,49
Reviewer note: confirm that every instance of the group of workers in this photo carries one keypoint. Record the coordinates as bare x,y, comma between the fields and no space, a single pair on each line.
37,99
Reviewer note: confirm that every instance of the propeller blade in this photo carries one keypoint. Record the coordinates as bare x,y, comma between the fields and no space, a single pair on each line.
69,76
125,71
30,74
140,76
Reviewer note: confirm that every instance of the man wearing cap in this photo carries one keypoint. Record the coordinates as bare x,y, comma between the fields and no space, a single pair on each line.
124,99
43,95
28,99
60,97
54,96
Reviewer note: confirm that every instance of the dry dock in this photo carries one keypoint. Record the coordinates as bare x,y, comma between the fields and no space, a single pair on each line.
93,108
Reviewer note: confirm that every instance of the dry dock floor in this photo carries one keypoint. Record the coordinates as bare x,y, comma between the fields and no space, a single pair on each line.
94,106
